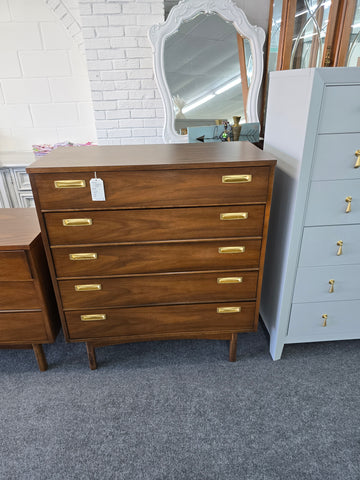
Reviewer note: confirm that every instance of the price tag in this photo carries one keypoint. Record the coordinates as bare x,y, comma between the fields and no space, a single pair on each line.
97,189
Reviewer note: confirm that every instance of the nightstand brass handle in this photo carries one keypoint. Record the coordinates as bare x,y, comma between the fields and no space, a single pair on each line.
236,178
230,280
324,317
357,163
88,288
76,222
228,309
83,256
93,318
234,216
348,200
70,183
340,244
231,250
331,283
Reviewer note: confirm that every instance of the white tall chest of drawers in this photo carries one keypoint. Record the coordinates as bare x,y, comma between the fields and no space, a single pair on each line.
311,286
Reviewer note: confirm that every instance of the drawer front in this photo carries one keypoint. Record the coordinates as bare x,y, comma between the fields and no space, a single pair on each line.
14,266
335,157
329,203
327,284
153,289
162,320
159,257
307,322
18,295
136,189
22,327
341,109
153,225
320,246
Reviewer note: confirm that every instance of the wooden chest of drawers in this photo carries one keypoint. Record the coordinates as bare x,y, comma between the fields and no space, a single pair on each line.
314,257
28,312
174,251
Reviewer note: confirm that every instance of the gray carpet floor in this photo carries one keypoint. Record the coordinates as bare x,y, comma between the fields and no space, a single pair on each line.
179,410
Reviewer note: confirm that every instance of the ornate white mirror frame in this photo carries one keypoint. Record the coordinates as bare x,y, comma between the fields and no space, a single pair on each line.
186,10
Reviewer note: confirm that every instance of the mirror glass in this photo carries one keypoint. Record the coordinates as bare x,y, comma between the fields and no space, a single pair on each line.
202,61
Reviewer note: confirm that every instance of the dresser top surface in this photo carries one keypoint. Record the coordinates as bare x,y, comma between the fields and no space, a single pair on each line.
152,157
18,228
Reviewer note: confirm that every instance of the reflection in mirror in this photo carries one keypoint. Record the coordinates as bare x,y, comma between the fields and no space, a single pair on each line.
205,84
208,64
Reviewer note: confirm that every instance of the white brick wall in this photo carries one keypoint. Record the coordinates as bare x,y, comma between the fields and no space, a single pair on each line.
127,104
44,86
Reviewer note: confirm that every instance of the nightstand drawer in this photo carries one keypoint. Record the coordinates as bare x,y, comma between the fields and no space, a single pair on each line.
18,296
156,289
307,321
14,266
335,245
327,284
333,203
166,188
335,157
162,320
22,327
154,225
156,257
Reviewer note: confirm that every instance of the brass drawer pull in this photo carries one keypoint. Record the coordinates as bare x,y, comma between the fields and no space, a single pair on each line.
234,216
228,309
88,288
331,283
93,318
230,280
83,256
236,178
340,244
357,163
348,200
231,249
324,317
76,222
70,183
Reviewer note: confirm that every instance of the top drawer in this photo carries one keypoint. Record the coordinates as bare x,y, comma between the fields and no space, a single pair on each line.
14,266
161,188
341,109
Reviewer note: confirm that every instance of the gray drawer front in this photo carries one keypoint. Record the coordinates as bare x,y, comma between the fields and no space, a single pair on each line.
341,109
306,322
319,246
312,284
327,205
335,157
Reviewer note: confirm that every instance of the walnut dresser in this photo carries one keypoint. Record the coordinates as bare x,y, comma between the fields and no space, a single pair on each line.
28,312
175,249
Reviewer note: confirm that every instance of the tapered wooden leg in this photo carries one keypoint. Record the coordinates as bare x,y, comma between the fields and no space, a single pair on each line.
91,356
233,347
40,357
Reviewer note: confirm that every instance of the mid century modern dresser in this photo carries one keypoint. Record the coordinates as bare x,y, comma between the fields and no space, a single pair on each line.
175,249
28,312
312,268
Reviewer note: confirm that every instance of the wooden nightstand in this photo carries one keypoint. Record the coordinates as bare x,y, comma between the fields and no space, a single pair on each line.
28,313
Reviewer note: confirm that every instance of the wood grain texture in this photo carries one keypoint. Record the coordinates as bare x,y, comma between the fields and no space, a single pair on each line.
22,327
151,189
14,266
18,295
152,157
153,289
115,226
163,320
157,257
19,227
